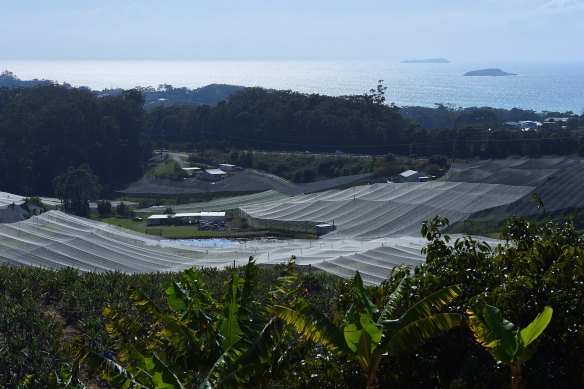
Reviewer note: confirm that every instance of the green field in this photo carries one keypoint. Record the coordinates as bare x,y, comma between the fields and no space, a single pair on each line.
171,232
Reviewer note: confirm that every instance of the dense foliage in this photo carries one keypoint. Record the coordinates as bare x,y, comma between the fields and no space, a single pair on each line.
44,130
284,120
75,188
47,129
41,311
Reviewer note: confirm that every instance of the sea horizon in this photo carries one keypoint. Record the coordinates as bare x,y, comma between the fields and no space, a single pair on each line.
544,86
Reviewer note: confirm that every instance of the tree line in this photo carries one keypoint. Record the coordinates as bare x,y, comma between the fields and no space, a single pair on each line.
45,130
261,119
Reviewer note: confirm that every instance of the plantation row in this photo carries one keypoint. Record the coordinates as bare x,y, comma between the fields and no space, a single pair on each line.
444,323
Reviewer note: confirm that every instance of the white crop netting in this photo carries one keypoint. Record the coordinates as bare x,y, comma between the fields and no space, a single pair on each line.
221,204
379,210
377,228
57,240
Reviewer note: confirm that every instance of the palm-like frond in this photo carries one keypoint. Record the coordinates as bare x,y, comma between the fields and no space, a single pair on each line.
431,304
229,324
394,297
493,332
110,370
162,375
249,282
419,331
498,336
530,333
250,360
313,325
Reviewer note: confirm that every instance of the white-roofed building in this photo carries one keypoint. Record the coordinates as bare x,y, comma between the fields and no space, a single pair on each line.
411,176
179,218
158,220
226,167
213,174
192,171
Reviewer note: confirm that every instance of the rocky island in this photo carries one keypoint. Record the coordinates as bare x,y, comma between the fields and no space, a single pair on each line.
489,72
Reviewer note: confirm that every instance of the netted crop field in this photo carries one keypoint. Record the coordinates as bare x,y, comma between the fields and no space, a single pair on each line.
379,210
57,240
522,171
222,204
249,180
8,199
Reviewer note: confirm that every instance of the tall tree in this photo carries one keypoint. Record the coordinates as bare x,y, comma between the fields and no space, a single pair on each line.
76,187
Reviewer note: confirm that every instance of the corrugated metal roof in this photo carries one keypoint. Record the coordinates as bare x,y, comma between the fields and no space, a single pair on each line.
215,171
188,214
200,214
408,173
159,217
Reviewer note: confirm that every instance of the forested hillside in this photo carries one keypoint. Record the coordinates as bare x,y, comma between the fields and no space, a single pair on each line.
46,129
284,120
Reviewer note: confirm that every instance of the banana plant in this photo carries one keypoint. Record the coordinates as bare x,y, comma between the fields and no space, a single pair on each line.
214,343
505,343
366,333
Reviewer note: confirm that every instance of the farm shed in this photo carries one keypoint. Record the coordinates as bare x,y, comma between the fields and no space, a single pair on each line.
192,171
226,167
181,218
323,229
213,174
158,220
411,176
207,216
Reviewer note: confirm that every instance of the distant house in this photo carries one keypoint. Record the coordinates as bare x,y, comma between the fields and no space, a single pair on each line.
556,123
205,216
192,171
213,175
158,220
411,176
226,167
525,125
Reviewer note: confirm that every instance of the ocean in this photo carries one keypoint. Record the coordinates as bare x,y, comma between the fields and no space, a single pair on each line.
539,87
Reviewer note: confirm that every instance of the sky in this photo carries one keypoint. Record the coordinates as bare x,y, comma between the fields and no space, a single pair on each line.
459,30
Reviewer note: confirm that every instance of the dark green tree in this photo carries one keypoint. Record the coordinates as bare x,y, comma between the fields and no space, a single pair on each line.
122,209
76,187
378,94
104,208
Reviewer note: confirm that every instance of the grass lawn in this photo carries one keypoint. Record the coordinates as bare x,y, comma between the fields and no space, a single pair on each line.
164,231
187,232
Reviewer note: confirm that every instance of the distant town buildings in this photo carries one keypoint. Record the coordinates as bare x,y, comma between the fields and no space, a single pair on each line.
223,171
549,123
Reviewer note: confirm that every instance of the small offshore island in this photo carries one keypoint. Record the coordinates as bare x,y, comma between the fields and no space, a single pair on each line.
427,60
492,72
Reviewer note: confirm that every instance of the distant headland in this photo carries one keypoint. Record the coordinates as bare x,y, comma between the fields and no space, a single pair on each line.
427,60
489,72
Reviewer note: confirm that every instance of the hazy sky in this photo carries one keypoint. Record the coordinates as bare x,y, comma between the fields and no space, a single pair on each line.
460,30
